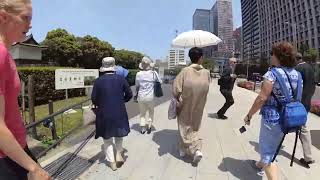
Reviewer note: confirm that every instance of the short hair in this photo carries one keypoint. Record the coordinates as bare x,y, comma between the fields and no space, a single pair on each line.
13,6
285,53
195,54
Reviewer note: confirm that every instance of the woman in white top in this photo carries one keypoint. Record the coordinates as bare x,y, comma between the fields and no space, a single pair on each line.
145,91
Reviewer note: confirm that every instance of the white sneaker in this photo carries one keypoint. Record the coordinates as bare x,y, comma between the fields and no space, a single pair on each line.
182,153
197,157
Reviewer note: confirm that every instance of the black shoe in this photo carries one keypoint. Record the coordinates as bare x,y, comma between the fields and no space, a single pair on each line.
149,130
222,117
306,163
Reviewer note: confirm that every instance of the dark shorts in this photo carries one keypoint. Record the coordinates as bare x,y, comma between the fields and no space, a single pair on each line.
11,170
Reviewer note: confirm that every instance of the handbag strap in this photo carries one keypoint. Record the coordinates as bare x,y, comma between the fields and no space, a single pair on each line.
155,79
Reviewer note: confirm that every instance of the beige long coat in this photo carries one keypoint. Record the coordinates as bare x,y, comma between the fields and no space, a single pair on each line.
191,87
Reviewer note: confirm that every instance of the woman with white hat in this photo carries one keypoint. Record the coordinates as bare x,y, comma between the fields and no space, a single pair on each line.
110,93
145,80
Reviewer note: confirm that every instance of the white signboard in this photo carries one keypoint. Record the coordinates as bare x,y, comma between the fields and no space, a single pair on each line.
75,78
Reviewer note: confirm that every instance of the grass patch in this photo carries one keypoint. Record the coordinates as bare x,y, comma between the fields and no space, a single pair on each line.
64,122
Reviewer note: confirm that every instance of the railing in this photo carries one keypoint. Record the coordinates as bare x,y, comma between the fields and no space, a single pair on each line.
50,122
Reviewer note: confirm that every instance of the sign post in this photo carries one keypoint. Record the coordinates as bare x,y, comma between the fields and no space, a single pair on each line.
74,78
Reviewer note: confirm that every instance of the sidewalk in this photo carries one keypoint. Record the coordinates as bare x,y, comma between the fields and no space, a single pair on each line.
226,151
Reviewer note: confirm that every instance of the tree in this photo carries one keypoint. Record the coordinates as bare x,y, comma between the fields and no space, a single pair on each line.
311,55
63,48
93,51
208,64
303,48
128,59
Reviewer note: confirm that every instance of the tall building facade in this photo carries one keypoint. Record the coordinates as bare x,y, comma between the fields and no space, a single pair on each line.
250,29
237,37
219,21
296,21
176,57
223,26
201,20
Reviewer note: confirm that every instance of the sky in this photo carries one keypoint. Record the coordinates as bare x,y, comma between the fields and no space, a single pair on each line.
146,26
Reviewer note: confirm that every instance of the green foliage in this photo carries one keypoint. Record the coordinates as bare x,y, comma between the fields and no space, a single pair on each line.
208,64
303,48
44,85
128,59
93,51
311,55
131,78
63,48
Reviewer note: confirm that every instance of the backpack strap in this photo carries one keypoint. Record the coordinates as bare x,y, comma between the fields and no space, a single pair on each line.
282,84
278,148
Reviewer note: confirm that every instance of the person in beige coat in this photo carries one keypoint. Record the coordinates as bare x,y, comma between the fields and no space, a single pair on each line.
190,88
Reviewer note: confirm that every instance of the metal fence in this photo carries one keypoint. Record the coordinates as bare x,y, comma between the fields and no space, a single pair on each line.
52,127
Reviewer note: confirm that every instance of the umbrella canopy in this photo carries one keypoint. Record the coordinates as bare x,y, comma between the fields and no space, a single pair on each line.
195,38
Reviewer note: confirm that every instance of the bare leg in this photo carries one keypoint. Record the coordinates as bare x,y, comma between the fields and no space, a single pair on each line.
271,171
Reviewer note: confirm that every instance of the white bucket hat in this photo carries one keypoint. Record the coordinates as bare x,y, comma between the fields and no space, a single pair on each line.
145,63
108,64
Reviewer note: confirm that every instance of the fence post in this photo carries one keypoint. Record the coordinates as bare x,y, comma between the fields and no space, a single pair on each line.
53,127
31,101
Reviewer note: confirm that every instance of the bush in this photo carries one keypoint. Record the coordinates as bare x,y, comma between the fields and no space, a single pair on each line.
44,85
131,78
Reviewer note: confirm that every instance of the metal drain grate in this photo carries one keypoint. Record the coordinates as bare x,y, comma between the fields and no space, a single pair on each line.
73,169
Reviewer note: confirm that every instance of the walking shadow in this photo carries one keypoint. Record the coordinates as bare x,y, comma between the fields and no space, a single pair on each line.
240,169
168,141
315,134
136,127
213,115
281,152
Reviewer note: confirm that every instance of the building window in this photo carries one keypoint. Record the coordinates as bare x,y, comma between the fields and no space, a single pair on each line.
313,44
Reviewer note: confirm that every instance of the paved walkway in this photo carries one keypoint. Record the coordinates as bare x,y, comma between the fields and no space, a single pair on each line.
226,151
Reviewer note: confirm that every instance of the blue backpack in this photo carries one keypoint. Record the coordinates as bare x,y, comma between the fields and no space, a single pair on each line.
292,112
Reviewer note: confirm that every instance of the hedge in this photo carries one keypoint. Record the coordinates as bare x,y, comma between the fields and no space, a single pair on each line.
44,85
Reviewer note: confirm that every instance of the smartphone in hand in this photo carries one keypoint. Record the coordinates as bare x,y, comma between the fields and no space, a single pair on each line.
242,129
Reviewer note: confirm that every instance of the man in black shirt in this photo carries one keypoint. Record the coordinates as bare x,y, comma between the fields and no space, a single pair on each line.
309,86
226,83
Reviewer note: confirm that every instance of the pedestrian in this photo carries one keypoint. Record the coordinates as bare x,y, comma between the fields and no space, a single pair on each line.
190,88
119,70
145,80
309,87
110,93
226,83
283,60
16,160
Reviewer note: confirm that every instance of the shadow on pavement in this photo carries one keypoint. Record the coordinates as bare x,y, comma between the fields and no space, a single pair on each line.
136,127
167,141
240,169
315,134
281,152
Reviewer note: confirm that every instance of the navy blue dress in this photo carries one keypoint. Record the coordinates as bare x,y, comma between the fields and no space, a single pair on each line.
110,93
